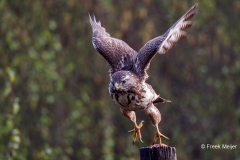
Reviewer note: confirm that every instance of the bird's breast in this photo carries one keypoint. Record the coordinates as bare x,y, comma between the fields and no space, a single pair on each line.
127,101
133,101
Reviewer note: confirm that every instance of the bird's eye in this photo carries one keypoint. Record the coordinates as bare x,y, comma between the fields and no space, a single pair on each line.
123,82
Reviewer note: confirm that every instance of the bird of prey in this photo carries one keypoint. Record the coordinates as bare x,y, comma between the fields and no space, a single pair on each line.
128,70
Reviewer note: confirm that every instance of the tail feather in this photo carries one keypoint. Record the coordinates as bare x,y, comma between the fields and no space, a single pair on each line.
160,99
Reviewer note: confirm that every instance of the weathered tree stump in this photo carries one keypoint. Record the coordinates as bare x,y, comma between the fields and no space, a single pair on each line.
157,152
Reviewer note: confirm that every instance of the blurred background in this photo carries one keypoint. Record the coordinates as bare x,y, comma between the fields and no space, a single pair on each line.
54,100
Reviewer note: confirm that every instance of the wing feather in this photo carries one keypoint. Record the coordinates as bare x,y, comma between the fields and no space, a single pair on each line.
163,43
118,53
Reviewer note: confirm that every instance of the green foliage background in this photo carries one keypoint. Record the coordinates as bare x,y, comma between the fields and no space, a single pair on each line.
54,101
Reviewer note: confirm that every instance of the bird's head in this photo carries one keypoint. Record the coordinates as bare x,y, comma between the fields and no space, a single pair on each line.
123,81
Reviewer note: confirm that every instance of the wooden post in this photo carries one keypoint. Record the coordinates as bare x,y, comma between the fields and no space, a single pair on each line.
157,152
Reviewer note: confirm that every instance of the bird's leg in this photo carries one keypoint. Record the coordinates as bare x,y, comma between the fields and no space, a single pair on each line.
136,131
159,135
155,117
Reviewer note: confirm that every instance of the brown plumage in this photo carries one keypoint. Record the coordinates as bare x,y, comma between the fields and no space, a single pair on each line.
128,69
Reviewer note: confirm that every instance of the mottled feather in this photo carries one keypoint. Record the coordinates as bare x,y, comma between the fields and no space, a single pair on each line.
118,53
163,43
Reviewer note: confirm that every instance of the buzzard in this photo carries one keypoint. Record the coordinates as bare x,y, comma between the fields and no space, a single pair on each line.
128,70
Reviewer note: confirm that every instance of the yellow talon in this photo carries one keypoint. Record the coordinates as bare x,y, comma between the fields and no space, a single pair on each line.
137,131
159,135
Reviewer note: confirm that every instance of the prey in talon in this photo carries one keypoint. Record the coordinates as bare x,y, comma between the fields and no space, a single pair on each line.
128,87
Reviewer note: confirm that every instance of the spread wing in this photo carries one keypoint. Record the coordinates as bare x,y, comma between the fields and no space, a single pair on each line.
118,54
163,43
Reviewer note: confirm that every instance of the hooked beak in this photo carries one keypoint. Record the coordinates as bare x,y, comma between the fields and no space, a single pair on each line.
117,86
